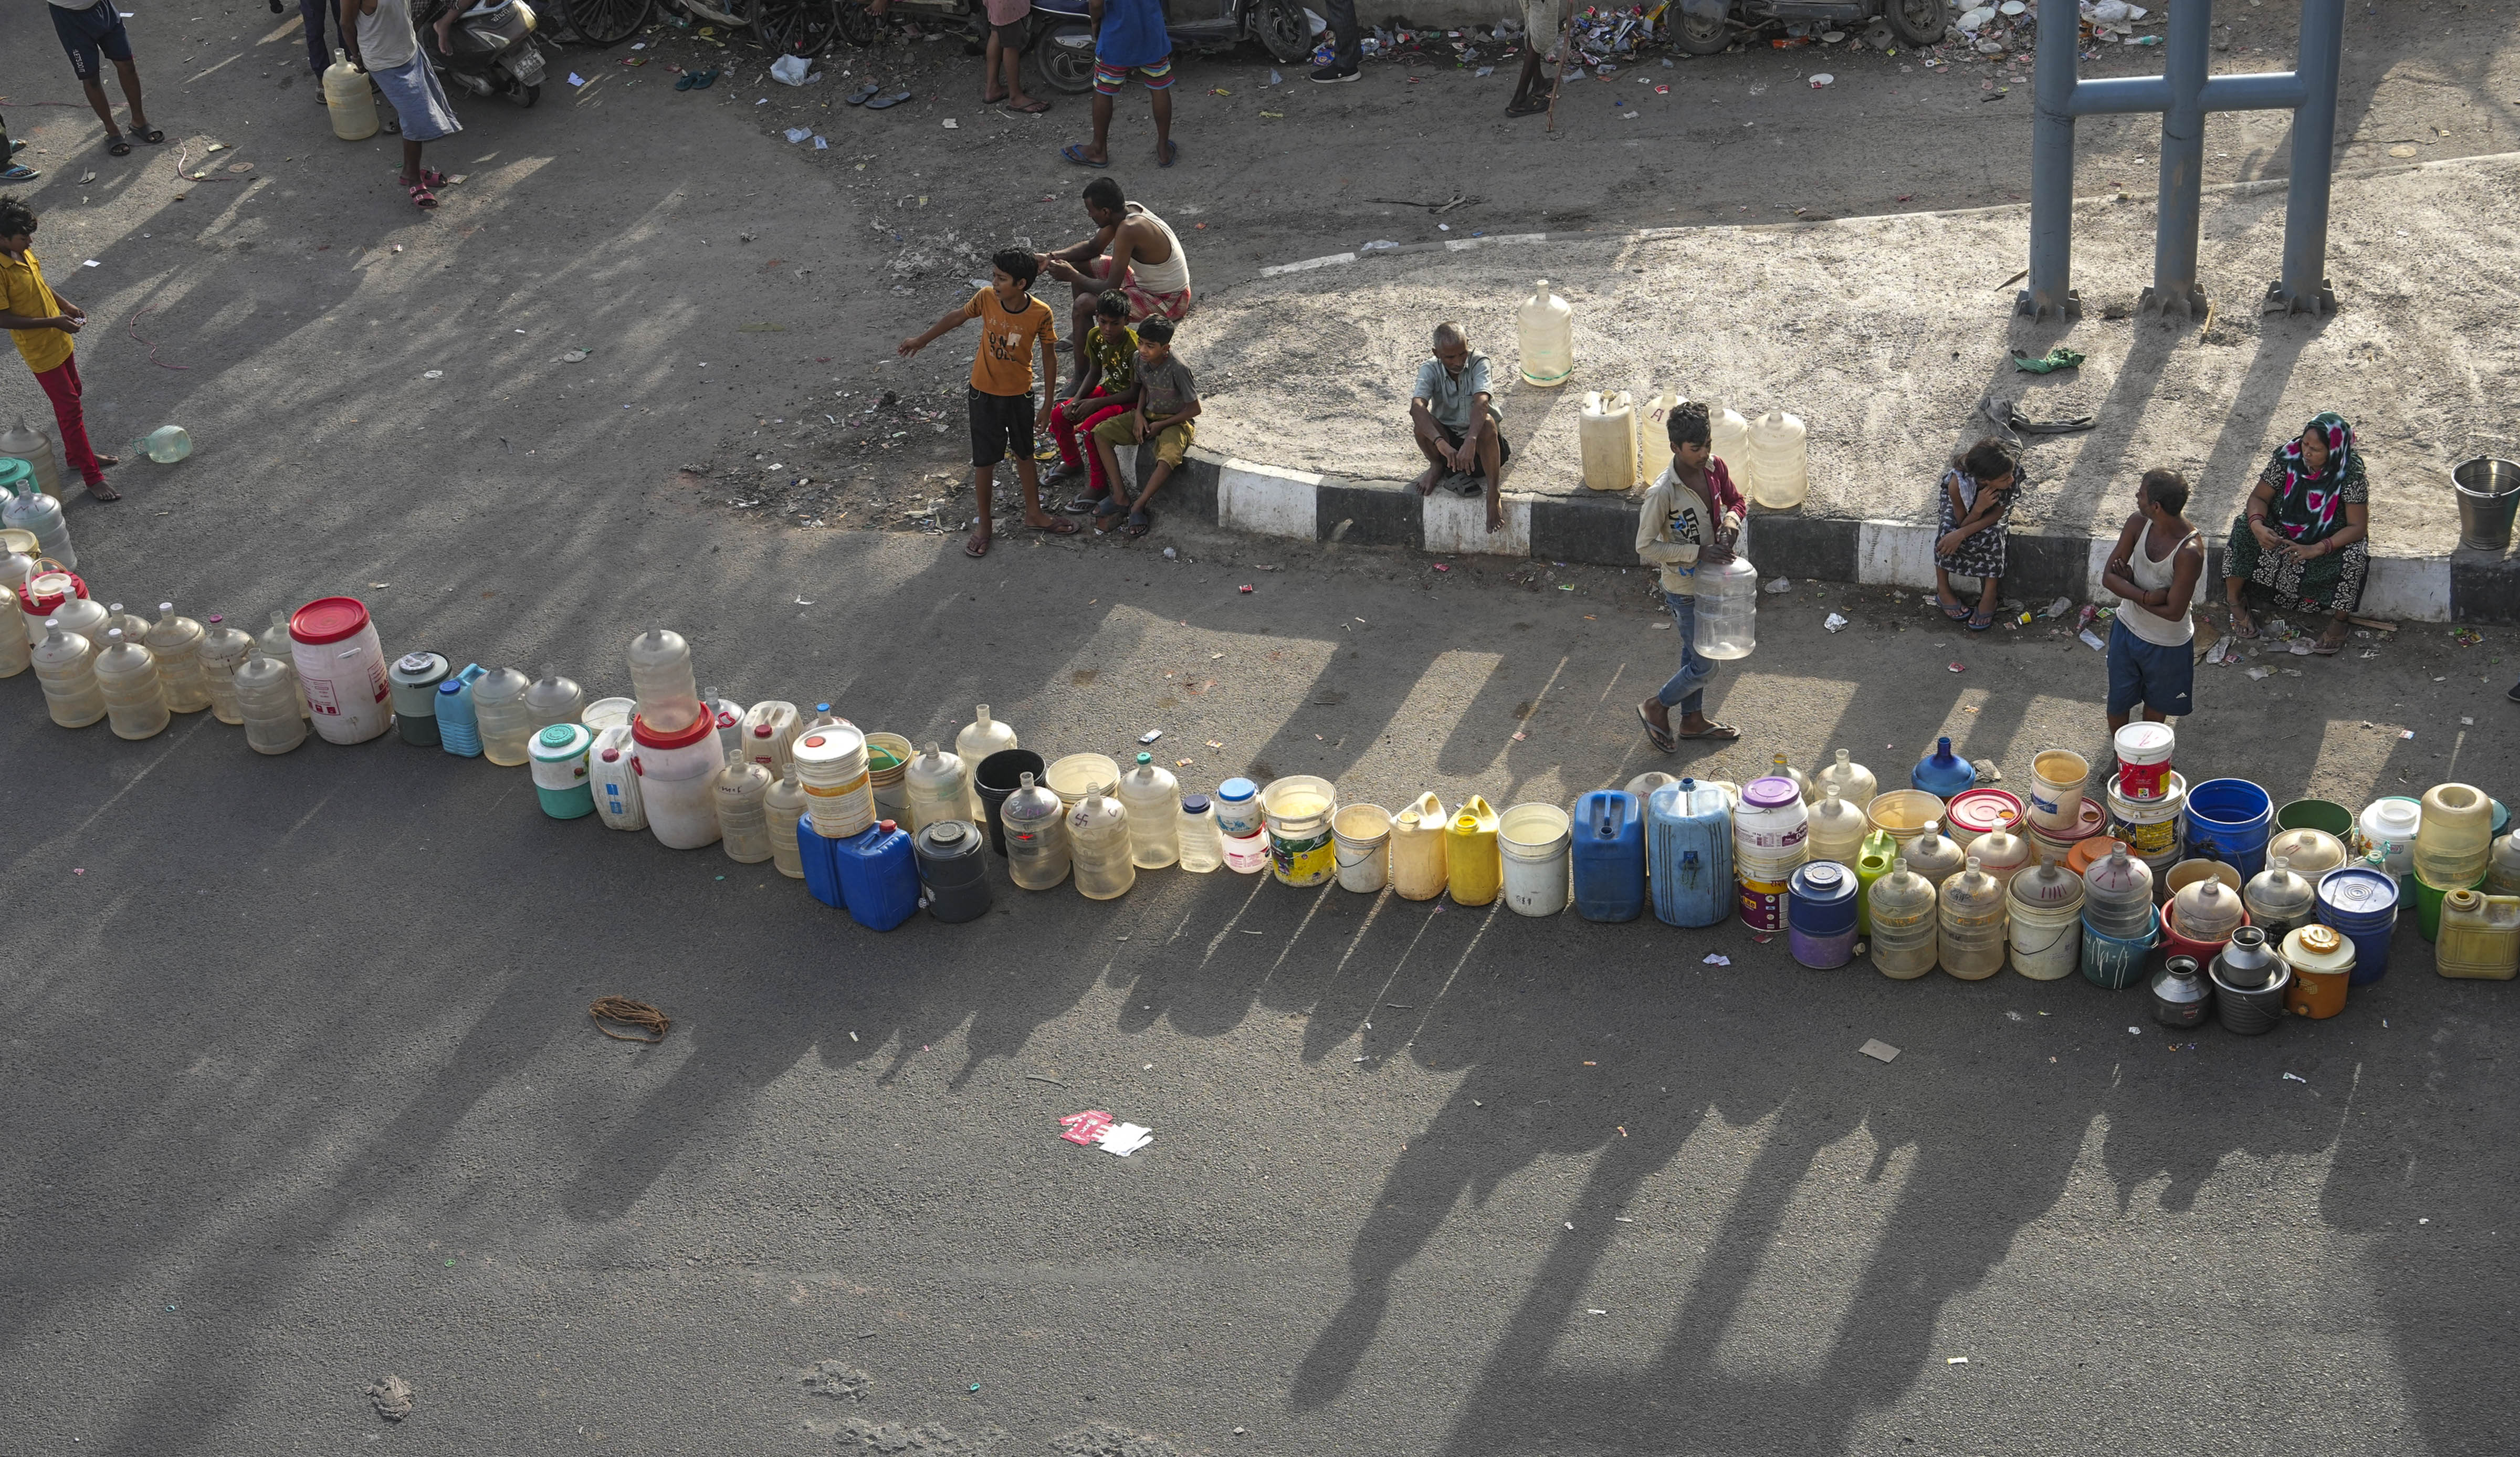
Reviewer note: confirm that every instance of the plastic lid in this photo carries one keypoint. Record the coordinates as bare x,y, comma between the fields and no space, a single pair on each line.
700,727
1194,803
451,686
612,756
945,833
556,735
1823,876
416,663
1237,788
328,620
761,730
1144,757
1771,791
2319,940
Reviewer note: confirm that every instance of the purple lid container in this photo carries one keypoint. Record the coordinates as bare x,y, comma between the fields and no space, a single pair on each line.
1770,793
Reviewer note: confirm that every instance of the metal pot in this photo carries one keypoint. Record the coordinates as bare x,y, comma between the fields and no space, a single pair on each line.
2246,962
2249,985
2180,996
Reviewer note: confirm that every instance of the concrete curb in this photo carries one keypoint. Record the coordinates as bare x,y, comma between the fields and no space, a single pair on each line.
1598,528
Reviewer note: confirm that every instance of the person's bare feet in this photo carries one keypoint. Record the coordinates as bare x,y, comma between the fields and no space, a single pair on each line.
1426,482
1496,519
2242,626
977,543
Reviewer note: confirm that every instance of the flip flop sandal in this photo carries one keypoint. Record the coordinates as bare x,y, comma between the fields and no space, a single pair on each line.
973,546
704,80
1059,527
117,146
1036,109
1661,737
1141,522
1075,152
1086,505
433,177
864,94
1170,155
1952,609
1977,623
1713,730
881,102
1527,108
153,136
2244,630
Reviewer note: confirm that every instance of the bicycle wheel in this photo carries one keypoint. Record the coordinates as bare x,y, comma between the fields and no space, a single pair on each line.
856,24
605,23
795,28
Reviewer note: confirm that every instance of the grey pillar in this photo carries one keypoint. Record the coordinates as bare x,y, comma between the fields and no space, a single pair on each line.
2175,292
2052,168
2303,287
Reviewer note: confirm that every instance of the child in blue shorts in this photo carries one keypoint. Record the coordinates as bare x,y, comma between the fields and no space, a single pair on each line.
2154,570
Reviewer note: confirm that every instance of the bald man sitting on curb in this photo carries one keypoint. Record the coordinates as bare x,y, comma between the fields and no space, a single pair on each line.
1456,424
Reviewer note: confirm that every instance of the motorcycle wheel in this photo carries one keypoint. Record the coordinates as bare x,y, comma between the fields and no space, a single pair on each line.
856,24
1066,67
795,28
1701,37
1919,23
605,23
533,94
1283,32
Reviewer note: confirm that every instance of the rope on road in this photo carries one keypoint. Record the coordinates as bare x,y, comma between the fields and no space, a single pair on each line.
629,1014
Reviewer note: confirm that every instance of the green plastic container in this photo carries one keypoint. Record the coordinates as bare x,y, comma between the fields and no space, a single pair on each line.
2428,901
559,757
2318,814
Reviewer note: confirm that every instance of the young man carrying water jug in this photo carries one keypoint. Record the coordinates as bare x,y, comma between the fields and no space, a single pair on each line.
2154,571
1691,514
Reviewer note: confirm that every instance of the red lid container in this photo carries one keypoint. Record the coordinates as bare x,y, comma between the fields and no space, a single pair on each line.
1983,811
328,620
701,726
51,602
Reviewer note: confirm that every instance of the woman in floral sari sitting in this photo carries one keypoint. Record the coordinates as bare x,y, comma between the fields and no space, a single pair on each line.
2303,534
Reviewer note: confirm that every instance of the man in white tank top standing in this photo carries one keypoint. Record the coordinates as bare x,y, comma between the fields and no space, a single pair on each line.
2154,571
1132,250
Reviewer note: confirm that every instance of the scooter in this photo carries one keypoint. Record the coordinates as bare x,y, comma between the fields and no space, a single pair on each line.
1703,28
1061,40
493,49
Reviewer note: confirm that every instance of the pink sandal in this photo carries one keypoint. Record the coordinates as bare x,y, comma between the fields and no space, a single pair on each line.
421,195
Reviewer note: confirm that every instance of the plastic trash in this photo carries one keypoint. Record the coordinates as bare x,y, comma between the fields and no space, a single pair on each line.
791,69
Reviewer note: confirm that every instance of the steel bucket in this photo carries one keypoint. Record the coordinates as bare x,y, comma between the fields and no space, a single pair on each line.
2488,490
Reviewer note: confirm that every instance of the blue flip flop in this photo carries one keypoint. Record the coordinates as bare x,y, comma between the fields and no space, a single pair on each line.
1170,156
1075,152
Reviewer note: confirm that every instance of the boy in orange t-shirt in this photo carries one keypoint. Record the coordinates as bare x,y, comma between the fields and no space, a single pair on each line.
1013,324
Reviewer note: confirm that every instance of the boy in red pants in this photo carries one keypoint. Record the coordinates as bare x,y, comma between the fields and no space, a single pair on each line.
42,322
1110,370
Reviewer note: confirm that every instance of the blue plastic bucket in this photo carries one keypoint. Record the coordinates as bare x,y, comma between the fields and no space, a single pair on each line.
2228,820
2115,963
2361,905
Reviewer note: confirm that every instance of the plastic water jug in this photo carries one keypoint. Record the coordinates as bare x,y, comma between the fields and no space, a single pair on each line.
499,708
1605,435
166,444
552,699
1202,847
1907,928
1544,331
268,700
1727,438
662,681
1152,795
22,440
879,875
783,807
459,730
1771,839
741,791
1934,855
1036,834
276,641
1855,783
953,858
1779,472
1473,867
175,642
48,593
1653,434
2117,895
135,701
613,777
1689,846
981,737
119,618
1943,773
1837,829
2455,843
349,101
64,664
1609,856
768,734
938,788
726,716
42,514
1727,609
822,867
2279,900
1418,867
2043,911
17,652
1100,846
2001,853
2502,872
564,784
224,649
1972,927
1871,865
2479,937
1238,807
1782,767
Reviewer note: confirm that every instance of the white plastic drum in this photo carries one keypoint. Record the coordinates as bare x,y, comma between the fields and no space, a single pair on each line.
675,781
341,666
831,764
608,770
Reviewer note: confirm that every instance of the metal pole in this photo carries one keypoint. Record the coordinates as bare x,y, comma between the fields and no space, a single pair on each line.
2303,287
2174,291
2052,168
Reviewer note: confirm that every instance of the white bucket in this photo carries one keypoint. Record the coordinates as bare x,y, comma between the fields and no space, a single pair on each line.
831,766
618,801
607,712
2047,939
682,812
1361,834
2143,758
1536,841
2155,828
341,670
2056,778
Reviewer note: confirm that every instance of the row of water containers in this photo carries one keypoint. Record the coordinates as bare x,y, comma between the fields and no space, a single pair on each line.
1622,436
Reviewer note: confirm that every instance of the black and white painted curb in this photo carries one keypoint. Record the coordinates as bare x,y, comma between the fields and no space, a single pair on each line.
1600,529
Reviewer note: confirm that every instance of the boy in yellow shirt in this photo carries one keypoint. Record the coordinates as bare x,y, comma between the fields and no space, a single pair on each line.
42,322
1013,324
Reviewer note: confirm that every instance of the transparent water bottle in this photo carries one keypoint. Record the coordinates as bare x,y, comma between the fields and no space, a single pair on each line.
1779,472
42,514
1035,822
1906,932
783,807
64,664
135,702
1544,330
939,788
742,791
1151,794
1935,855
1202,847
981,737
1837,829
499,707
1727,609
1854,781
166,444
267,696
553,699
660,679
29,444
176,643
1099,843
1971,926
2117,895
274,640
133,626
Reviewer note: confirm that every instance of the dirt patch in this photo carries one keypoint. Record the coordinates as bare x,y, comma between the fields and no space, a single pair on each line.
838,1379
891,1438
1111,1441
